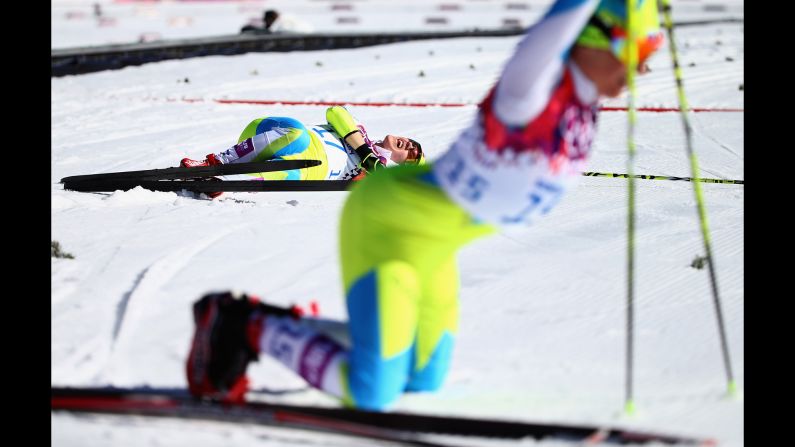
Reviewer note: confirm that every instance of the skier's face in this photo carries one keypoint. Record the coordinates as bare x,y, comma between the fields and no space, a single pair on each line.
603,69
403,149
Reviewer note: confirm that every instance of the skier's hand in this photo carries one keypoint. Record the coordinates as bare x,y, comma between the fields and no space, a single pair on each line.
370,162
341,121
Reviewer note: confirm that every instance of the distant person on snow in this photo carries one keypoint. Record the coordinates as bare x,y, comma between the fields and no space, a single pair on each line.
269,18
342,146
401,227
274,22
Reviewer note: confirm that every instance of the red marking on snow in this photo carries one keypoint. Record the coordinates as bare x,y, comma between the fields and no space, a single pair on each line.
341,7
338,103
433,104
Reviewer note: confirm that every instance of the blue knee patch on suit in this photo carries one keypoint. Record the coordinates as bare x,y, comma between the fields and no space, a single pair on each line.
432,376
278,121
296,146
374,382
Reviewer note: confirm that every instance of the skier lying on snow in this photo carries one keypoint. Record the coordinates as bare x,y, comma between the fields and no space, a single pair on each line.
282,138
526,146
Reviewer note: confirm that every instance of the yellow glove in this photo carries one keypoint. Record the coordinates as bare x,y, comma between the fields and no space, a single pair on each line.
341,121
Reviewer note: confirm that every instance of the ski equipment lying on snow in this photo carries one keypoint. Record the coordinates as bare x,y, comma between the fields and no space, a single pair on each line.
203,185
412,429
664,177
201,171
112,181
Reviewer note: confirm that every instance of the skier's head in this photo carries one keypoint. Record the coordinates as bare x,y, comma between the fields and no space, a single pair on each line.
608,29
269,17
601,49
403,150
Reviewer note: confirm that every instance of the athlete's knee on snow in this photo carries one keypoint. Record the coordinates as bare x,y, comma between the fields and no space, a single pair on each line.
382,309
429,372
250,130
262,125
282,122
376,383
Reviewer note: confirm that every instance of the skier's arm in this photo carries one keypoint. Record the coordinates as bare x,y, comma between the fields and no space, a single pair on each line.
533,71
343,123
369,160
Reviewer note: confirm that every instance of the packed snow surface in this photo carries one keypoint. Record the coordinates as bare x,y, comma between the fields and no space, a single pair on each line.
542,309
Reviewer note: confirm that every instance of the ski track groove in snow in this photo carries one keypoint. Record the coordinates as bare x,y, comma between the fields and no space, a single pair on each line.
160,272
698,125
122,306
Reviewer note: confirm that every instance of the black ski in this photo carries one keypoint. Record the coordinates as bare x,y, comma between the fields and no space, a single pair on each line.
197,172
413,429
209,185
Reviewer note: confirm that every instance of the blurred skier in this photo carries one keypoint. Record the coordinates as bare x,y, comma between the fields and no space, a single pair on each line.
269,18
401,227
274,22
284,138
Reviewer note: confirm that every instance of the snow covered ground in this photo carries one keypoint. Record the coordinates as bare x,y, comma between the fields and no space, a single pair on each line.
79,23
542,323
